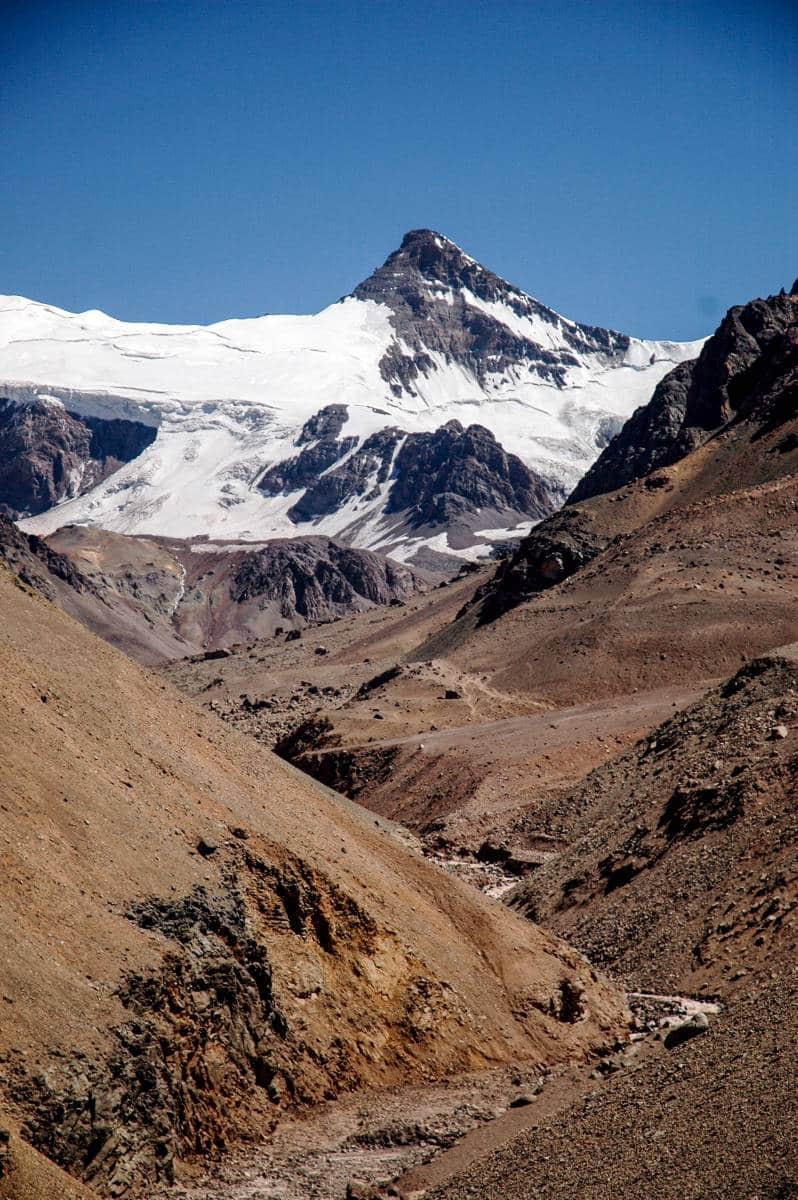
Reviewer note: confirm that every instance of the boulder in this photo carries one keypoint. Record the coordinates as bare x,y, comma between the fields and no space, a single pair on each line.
694,1027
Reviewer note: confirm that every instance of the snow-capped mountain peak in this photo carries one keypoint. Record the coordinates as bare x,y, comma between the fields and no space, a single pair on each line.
434,368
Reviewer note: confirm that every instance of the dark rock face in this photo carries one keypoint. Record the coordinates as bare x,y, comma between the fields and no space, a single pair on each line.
747,370
132,1115
437,478
647,440
33,561
316,579
553,551
363,473
422,284
326,423
48,454
350,772
441,475
322,448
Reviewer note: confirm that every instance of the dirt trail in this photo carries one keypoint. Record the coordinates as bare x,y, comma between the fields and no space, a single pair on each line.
478,780
555,727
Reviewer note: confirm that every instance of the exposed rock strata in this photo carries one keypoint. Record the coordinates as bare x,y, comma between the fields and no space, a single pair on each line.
315,578
321,448
422,284
746,369
440,476
48,454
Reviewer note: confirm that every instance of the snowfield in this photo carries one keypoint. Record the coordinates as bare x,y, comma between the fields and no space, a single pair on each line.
229,399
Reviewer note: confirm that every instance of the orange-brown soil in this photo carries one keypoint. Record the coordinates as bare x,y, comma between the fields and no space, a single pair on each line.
196,938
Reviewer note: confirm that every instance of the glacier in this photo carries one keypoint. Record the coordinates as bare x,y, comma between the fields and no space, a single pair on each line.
229,400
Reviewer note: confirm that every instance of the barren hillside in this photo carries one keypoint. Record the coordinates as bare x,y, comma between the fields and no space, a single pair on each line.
196,938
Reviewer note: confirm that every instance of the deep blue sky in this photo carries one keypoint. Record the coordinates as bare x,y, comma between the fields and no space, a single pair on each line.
632,164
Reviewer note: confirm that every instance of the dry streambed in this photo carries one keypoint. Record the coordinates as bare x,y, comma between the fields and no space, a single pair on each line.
360,1142
402,1142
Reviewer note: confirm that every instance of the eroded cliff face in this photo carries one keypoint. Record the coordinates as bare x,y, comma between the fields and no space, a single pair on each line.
747,364
264,1000
48,454
317,579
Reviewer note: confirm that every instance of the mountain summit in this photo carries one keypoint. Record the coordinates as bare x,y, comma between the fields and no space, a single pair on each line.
280,426
445,302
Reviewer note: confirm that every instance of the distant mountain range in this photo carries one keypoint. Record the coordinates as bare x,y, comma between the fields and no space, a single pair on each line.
432,413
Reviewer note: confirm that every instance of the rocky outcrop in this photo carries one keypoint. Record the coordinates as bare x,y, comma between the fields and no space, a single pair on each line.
423,283
316,578
326,424
164,598
322,447
37,564
647,441
440,476
553,551
207,1050
747,370
48,454
362,474
741,393
436,479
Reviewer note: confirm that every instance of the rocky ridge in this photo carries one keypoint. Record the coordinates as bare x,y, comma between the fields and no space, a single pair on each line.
429,280
452,479
49,455
745,371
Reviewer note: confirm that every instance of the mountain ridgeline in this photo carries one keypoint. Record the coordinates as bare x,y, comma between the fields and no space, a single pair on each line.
730,416
745,372
439,300
432,414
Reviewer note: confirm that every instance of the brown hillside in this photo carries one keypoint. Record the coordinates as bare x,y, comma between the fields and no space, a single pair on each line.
682,872
196,938
27,1175
681,600
713,1120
